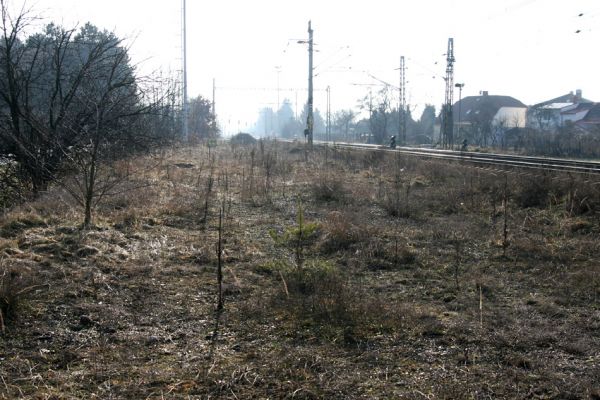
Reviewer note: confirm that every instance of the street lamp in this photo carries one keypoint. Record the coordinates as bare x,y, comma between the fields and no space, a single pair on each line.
459,86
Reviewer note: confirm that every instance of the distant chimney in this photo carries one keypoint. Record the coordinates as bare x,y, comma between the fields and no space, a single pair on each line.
578,96
484,93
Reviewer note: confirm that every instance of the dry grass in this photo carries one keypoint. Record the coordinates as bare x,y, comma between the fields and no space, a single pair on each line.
341,232
427,302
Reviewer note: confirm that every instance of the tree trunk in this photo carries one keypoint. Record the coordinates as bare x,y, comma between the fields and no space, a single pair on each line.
89,195
89,189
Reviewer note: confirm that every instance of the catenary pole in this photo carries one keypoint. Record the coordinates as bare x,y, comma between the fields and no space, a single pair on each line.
310,117
185,94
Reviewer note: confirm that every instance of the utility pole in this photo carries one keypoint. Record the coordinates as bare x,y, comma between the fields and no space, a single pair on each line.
328,133
213,98
278,68
447,118
310,117
185,94
214,110
265,122
460,86
402,110
370,116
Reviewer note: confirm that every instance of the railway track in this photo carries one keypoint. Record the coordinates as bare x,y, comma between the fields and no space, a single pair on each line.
487,159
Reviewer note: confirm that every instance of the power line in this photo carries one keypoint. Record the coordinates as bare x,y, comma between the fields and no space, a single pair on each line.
266,89
333,55
381,80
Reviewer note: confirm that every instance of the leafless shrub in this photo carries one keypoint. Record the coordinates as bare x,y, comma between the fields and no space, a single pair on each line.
12,189
340,232
505,197
532,191
396,200
579,347
379,254
430,326
435,172
581,286
183,202
210,180
15,285
16,222
321,298
249,187
581,197
328,188
393,205
518,361
356,160
373,159
129,219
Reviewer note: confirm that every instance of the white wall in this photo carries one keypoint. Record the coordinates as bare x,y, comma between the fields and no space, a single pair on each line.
511,117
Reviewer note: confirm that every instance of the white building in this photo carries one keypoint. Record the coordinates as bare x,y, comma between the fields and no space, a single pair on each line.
555,113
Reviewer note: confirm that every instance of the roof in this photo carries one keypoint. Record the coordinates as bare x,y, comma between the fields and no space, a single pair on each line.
555,106
567,98
591,120
593,116
579,108
483,108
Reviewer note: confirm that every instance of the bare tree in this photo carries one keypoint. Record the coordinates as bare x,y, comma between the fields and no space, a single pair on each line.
110,108
70,104
379,113
343,121
43,80
202,121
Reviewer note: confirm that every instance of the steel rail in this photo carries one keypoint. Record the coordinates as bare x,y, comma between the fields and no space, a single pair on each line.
471,157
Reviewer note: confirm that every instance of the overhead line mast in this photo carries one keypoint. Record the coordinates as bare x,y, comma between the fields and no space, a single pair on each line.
310,117
214,110
185,94
402,111
447,117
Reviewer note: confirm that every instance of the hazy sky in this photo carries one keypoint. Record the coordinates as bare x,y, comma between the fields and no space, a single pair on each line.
532,50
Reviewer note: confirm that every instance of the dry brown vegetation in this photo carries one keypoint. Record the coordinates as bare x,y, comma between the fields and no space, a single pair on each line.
420,280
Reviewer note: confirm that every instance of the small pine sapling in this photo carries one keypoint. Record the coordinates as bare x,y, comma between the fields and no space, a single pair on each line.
297,238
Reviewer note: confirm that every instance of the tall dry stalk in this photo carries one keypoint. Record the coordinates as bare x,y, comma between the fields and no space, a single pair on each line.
505,227
208,192
457,260
220,262
480,307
